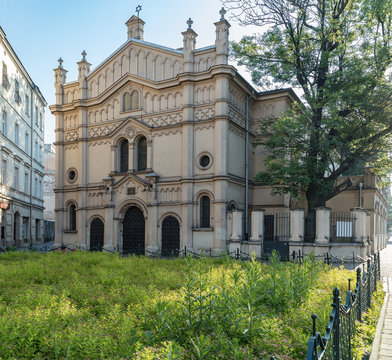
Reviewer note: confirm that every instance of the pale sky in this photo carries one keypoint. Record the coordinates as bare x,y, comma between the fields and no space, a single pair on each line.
40,31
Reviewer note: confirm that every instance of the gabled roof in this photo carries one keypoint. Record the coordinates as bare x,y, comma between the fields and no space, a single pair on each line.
134,18
160,47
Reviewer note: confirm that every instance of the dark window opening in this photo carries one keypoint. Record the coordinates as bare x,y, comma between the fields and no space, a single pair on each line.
142,154
124,156
205,212
72,217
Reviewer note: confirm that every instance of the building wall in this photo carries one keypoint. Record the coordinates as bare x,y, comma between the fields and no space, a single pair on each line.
21,151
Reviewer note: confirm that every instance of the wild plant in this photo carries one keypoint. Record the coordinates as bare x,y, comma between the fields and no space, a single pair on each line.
251,294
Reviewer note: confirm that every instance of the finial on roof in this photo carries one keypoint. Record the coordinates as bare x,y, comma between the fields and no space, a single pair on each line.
60,60
222,13
189,22
138,8
84,55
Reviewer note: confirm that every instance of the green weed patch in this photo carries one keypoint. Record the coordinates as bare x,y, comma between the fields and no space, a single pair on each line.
84,305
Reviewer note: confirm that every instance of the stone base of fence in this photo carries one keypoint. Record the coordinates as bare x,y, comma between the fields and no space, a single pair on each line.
249,247
234,247
338,250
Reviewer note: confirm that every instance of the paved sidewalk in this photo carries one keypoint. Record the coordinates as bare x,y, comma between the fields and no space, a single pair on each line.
382,345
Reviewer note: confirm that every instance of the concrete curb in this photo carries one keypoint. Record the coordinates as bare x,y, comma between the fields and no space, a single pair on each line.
380,327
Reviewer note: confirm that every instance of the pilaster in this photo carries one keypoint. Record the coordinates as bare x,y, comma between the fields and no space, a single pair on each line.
297,225
189,45
322,225
222,39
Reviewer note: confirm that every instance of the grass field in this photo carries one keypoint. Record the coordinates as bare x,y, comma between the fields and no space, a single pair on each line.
84,305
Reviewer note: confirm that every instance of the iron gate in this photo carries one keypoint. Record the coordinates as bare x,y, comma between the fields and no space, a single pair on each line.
133,231
277,234
170,236
97,230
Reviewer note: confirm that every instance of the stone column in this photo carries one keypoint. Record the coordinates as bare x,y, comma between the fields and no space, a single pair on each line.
236,233
131,155
257,225
322,225
297,225
113,158
359,227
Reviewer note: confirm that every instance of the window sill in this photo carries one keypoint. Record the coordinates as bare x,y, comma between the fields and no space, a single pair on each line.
203,229
70,231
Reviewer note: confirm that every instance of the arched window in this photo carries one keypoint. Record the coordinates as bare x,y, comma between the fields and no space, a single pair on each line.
72,217
127,102
131,101
142,154
124,156
205,212
135,100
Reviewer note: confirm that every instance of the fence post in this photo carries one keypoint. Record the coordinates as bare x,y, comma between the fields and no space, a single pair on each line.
369,284
336,325
378,267
359,294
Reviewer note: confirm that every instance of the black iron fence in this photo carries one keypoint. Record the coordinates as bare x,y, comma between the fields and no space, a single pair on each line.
336,343
277,226
342,227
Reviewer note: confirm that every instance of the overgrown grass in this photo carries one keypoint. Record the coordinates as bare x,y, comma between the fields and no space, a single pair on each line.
102,306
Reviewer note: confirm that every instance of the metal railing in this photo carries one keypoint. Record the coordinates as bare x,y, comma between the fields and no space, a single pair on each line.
336,343
277,226
342,227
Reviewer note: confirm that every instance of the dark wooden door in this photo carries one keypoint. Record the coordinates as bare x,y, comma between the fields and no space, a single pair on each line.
133,231
170,236
97,230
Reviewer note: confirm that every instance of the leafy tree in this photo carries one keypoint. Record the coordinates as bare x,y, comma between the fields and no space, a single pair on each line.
338,53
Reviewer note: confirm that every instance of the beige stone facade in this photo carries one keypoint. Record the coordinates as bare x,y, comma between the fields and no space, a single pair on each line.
151,148
22,110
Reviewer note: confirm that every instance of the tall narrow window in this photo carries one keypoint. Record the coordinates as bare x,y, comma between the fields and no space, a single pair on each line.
27,143
142,154
16,178
5,81
27,100
205,212
124,156
72,217
4,172
17,95
40,121
36,115
26,183
127,104
16,134
4,125
135,100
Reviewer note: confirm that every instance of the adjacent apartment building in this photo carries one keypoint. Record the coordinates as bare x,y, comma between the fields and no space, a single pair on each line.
21,152
154,153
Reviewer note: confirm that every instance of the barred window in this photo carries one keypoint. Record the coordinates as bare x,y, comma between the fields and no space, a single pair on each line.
205,212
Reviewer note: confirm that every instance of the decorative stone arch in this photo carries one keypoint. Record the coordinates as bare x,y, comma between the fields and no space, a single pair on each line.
178,100
101,84
148,106
158,68
231,206
122,208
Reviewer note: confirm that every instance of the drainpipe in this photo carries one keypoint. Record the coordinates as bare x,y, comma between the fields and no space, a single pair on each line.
360,194
31,163
246,166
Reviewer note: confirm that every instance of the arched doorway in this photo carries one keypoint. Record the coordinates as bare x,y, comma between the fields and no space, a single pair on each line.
97,230
170,236
133,231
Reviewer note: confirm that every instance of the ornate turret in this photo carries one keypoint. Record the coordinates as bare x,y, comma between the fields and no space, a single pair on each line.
222,39
84,70
60,76
189,46
135,28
